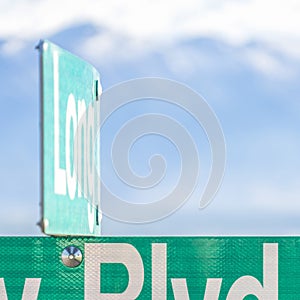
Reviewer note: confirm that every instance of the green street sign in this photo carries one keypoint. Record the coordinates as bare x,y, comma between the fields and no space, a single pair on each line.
158,268
70,88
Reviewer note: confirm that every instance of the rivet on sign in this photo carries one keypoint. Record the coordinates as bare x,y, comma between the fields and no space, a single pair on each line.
71,257
96,89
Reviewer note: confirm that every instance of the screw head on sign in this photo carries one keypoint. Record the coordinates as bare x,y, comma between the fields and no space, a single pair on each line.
71,257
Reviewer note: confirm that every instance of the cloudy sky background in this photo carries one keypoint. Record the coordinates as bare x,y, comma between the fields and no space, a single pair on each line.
243,57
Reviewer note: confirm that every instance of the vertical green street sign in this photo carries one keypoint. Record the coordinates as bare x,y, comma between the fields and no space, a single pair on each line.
70,88
158,268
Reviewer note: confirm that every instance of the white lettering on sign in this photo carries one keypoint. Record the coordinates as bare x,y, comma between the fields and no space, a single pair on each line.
30,291
81,129
79,175
159,271
248,285
59,174
126,254
71,115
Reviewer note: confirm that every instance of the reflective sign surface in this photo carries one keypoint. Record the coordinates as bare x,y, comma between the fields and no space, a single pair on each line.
70,88
150,268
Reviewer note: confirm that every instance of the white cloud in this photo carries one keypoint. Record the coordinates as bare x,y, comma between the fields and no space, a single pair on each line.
158,21
130,29
263,61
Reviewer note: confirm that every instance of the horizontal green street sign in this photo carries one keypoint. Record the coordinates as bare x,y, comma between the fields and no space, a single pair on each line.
210,268
70,88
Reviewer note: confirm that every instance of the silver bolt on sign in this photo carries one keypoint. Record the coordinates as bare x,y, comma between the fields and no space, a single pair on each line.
71,257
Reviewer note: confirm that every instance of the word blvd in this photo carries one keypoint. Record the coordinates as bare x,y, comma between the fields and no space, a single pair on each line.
128,255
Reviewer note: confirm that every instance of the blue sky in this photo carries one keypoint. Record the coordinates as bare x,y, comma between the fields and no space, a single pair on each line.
243,57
